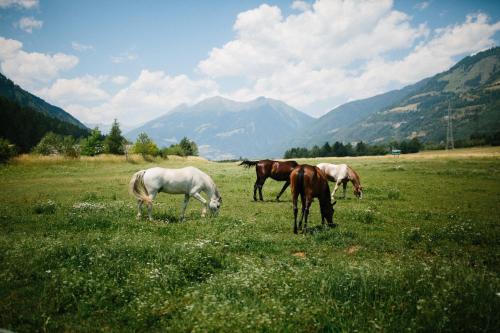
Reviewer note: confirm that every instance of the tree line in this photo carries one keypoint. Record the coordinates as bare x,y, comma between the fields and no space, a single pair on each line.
339,149
95,143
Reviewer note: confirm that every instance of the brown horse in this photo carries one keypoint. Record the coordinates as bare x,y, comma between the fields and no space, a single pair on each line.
309,182
277,170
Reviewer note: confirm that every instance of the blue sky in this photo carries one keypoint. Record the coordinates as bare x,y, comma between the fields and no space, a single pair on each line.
136,60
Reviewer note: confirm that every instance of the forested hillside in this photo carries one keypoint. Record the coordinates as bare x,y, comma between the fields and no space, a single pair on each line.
24,126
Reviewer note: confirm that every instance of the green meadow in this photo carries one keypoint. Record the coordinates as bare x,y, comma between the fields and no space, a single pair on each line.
420,252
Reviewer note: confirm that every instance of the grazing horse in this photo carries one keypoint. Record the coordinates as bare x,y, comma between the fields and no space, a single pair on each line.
190,181
309,182
277,170
342,173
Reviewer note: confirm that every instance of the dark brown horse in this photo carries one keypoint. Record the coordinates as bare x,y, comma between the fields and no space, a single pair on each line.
277,170
310,182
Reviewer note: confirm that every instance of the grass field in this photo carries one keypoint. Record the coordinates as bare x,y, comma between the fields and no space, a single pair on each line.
420,252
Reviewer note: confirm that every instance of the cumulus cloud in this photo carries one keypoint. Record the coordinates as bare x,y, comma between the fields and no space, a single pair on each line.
81,47
27,4
32,69
301,5
29,23
119,80
152,94
334,51
77,90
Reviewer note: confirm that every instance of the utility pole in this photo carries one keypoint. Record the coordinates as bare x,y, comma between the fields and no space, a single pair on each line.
450,144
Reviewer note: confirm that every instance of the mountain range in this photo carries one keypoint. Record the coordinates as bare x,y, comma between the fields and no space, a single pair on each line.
226,129
470,89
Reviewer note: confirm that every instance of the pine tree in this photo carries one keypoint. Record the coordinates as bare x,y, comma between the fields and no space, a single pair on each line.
113,144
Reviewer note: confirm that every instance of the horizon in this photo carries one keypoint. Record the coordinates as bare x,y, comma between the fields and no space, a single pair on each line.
92,59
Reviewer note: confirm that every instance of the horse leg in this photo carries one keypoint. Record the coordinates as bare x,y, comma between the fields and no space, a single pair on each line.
283,190
150,210
261,185
295,210
139,206
344,185
335,190
198,197
186,201
152,196
306,213
302,199
255,187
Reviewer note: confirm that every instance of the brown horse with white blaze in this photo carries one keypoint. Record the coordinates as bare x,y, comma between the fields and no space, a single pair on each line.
309,182
277,170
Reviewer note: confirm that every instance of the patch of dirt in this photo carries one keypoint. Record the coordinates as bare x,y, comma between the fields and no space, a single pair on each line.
353,249
299,255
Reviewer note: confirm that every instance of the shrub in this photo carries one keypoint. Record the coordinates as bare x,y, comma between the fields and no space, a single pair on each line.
51,143
7,150
93,144
144,145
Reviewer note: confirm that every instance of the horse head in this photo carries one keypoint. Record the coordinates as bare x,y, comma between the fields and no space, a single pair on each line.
214,204
327,211
358,191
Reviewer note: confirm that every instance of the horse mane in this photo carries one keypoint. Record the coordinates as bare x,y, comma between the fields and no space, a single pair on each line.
248,164
353,176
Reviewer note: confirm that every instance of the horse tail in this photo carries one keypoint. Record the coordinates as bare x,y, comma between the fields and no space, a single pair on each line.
300,180
248,164
137,187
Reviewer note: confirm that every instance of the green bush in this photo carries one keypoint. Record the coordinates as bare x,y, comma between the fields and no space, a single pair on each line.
93,144
145,146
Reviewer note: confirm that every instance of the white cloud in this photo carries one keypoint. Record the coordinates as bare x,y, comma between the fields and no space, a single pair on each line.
301,5
81,47
32,69
123,57
152,94
27,4
336,51
29,23
78,90
422,5
119,80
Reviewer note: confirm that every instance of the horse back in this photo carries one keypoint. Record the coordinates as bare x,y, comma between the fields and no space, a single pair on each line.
281,170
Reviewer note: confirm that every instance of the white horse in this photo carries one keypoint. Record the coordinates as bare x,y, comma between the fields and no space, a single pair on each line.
190,181
342,173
